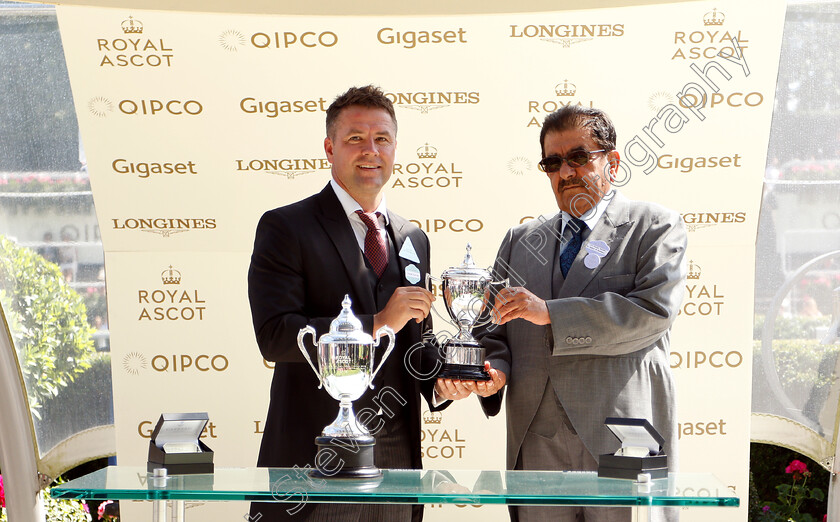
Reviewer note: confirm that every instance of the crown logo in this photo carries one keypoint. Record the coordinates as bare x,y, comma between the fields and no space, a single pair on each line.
713,18
171,276
132,26
693,271
432,417
565,88
426,152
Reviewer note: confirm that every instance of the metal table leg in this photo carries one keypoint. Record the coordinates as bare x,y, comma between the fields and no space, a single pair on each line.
159,506
159,511
642,514
643,485
179,509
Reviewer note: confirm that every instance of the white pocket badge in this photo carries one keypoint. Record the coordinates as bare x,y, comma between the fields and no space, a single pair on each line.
412,274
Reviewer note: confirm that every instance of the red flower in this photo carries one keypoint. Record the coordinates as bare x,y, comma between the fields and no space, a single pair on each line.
796,466
101,511
2,493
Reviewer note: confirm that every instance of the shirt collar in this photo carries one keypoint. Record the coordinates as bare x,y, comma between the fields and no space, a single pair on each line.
590,218
350,205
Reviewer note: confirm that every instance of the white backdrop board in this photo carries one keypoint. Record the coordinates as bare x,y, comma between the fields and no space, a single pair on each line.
194,124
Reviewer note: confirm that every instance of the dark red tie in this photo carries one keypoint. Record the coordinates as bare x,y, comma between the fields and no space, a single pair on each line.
376,249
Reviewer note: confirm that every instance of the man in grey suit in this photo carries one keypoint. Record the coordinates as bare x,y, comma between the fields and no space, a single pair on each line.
586,334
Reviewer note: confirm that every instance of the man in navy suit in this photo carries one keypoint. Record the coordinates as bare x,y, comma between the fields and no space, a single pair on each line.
306,257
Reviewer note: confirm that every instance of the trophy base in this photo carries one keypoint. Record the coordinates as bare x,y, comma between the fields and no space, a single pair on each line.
345,458
463,372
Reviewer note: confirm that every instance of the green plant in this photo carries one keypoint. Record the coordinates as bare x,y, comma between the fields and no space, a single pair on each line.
767,470
71,192
57,510
47,320
791,496
801,364
796,327
753,502
805,369
65,510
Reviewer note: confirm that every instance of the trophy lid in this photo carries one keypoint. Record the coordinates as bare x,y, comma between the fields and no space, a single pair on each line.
467,269
346,328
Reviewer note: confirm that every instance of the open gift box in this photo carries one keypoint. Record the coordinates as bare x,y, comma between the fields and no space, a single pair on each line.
176,446
640,451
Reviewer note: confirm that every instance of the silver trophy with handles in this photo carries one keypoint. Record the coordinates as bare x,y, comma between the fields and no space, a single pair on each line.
345,370
467,291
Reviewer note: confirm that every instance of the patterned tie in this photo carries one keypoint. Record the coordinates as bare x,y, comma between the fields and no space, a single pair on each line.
573,246
376,249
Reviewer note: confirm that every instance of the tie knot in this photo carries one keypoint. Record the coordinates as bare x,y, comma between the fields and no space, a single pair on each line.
578,226
371,220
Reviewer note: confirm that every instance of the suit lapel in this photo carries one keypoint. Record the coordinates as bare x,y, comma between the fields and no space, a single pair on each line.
399,234
397,225
537,277
337,227
611,229
399,230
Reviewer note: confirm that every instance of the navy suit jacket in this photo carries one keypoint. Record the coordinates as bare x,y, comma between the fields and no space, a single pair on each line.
305,259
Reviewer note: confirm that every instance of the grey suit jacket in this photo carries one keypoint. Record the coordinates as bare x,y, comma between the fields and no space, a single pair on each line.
606,349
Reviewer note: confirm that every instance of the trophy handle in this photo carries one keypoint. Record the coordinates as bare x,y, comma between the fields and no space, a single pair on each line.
303,331
504,283
390,333
429,280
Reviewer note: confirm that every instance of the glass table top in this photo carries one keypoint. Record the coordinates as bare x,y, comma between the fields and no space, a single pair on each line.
403,486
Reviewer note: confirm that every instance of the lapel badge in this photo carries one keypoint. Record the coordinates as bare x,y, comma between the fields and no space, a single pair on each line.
407,251
595,251
412,274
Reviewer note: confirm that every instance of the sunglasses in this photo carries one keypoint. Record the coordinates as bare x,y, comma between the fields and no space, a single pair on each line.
576,158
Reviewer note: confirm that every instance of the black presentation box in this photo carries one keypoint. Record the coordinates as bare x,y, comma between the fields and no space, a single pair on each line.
176,446
640,452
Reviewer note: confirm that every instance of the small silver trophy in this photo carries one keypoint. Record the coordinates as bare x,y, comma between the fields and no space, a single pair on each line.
345,369
466,295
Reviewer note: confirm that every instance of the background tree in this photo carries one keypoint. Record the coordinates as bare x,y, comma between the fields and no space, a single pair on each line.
47,320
